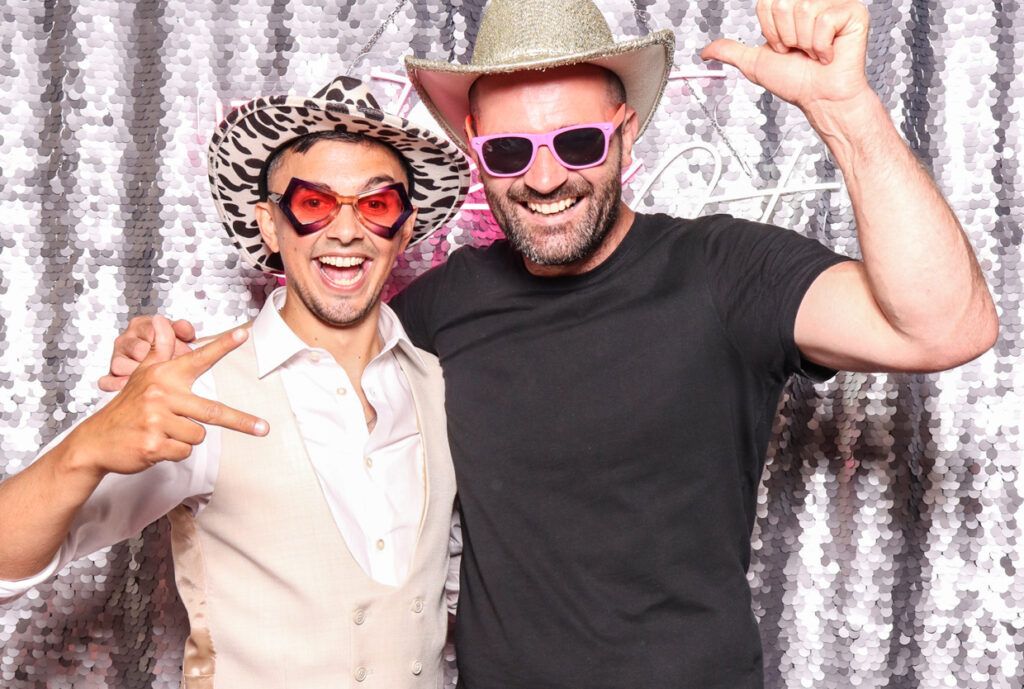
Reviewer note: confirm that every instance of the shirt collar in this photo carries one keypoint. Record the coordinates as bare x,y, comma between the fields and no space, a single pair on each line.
275,343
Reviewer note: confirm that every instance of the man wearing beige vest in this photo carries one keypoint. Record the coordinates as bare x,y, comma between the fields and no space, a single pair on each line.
310,541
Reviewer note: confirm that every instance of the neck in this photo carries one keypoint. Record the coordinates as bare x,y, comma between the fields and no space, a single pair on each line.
607,247
352,345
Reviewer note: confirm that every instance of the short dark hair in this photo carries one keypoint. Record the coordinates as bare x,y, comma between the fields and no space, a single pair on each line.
305,142
616,91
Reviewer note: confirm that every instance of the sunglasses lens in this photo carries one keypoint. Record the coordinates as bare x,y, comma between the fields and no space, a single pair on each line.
580,147
382,208
310,205
507,155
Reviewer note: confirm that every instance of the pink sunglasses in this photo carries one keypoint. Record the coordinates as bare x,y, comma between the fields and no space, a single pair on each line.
577,147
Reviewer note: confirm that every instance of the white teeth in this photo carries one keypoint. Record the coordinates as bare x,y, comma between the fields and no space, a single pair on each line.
550,208
342,261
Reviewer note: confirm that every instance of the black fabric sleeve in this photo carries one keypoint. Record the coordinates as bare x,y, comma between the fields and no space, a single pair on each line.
758,275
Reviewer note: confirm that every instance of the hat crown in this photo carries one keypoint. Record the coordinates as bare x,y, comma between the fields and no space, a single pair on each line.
350,91
517,31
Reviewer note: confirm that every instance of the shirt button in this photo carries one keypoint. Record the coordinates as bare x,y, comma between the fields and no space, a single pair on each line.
417,605
314,357
360,674
380,544
417,667
341,391
369,462
359,617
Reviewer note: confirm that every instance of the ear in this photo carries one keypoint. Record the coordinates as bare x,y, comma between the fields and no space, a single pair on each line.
268,228
470,133
405,234
630,126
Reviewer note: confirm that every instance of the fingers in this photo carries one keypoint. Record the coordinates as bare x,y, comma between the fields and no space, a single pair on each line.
111,383
162,348
810,26
131,346
768,30
184,430
136,343
823,38
184,330
181,348
128,354
217,414
201,360
173,450
740,56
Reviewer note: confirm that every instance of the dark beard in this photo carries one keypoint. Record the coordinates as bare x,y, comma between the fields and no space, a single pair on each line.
579,242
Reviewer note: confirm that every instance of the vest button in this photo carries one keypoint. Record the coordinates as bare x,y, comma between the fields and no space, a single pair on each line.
417,667
359,617
417,605
360,674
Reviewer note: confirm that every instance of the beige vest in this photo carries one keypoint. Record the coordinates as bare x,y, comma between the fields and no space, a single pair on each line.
274,597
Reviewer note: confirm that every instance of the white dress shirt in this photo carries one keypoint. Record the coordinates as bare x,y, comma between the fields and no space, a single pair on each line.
373,481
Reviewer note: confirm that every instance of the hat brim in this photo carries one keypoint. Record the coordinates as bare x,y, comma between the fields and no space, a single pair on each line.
643,65
250,134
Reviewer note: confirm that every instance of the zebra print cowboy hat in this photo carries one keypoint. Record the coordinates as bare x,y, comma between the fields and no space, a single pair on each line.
516,35
249,135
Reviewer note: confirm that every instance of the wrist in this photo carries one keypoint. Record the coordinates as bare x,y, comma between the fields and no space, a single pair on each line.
74,462
852,126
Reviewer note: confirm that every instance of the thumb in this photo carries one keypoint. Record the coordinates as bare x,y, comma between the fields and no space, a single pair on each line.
742,57
162,348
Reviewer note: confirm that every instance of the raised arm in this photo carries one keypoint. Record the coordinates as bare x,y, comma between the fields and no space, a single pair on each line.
153,419
918,300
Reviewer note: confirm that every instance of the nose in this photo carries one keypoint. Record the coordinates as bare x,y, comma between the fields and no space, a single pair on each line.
546,174
346,226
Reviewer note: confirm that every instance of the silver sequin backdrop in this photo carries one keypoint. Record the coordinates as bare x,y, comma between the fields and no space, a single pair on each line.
888,544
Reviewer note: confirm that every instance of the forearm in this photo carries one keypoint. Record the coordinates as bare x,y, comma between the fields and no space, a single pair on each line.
38,506
919,265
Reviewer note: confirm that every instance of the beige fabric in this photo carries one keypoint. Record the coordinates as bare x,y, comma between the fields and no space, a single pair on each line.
274,597
190,577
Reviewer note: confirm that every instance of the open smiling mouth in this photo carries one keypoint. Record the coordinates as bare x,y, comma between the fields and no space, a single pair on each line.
343,271
552,208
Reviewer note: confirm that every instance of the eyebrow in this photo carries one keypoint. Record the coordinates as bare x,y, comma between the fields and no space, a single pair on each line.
377,181
368,184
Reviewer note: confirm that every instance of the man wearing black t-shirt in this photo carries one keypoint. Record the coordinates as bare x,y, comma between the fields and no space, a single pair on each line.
612,377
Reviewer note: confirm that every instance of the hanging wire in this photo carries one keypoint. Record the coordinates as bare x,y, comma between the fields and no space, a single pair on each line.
642,20
376,35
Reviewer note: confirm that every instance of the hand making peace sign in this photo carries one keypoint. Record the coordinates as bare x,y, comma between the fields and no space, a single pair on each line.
154,418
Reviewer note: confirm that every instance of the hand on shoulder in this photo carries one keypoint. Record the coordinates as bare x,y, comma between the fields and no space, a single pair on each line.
133,345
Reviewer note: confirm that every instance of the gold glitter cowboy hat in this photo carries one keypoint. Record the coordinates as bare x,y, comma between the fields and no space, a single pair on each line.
516,35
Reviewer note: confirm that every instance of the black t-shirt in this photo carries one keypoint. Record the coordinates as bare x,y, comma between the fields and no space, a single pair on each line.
608,432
